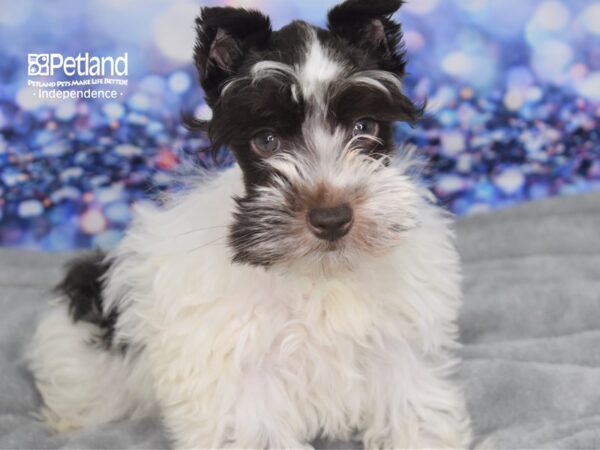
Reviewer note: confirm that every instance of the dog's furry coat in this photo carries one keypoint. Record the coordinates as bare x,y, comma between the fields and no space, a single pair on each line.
224,314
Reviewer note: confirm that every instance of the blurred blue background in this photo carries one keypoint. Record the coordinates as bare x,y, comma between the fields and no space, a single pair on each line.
513,88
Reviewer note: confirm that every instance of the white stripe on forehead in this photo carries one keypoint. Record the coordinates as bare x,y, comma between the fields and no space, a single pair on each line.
317,70
311,76
382,80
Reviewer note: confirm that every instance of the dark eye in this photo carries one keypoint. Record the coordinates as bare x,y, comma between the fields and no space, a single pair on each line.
265,143
365,126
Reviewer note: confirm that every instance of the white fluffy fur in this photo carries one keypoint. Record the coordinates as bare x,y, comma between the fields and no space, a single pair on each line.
81,383
318,70
240,356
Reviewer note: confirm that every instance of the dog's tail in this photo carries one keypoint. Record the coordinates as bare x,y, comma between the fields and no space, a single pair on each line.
83,288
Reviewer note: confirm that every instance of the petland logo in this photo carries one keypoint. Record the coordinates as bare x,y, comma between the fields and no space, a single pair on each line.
83,65
76,77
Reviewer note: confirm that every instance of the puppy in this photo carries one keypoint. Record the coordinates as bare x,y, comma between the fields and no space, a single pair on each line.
309,291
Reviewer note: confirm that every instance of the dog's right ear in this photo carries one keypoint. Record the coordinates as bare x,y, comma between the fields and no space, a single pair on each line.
224,36
369,25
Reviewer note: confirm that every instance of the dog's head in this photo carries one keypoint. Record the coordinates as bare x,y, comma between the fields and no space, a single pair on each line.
308,113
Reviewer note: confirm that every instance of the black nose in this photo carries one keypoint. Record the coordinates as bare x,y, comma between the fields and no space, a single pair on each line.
330,223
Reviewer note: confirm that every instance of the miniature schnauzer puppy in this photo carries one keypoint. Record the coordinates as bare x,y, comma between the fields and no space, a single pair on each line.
309,291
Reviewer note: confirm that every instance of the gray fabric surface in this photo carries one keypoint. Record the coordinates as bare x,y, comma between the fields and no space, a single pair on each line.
530,328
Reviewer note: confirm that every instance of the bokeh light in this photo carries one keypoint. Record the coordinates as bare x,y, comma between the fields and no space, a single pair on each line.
177,46
591,18
551,15
421,6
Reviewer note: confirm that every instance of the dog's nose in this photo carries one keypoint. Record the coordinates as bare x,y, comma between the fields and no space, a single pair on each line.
330,223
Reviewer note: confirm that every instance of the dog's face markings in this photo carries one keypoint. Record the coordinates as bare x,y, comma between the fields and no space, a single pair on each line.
308,113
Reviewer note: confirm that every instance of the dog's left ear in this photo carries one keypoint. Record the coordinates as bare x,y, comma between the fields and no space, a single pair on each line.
368,24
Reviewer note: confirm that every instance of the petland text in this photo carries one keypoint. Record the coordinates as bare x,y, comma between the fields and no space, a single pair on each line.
83,65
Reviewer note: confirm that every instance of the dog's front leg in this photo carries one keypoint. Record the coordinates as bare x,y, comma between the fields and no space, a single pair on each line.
415,404
217,405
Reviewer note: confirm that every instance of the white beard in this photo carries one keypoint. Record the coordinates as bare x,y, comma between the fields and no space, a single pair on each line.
235,355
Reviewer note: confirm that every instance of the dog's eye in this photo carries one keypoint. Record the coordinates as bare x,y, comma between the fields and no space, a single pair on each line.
365,126
265,143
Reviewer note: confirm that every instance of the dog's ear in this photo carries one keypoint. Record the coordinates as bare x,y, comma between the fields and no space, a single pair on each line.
224,36
368,24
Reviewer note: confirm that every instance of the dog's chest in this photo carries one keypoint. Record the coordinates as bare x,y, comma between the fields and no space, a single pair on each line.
320,348
307,345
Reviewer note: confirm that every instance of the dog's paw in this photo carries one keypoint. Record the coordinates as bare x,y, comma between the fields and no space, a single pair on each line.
412,439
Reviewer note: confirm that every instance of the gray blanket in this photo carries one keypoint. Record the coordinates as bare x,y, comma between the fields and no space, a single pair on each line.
530,329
